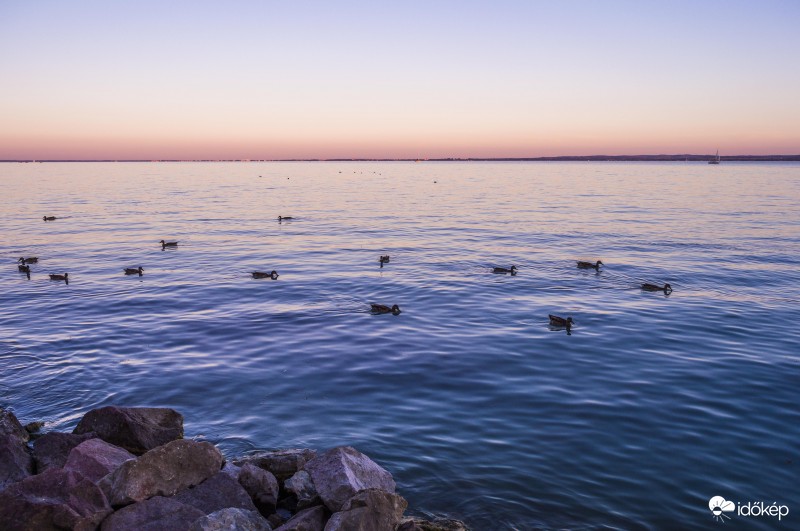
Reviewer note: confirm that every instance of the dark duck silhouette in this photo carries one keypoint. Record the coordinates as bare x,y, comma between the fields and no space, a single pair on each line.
134,271
25,269
168,244
49,218
560,322
284,218
380,308
272,274
30,260
64,277
589,265
666,288
503,270
384,259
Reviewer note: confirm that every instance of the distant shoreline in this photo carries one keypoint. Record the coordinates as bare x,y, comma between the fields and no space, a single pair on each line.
576,158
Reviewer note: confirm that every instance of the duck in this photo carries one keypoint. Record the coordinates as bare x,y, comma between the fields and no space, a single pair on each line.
49,218
384,259
589,265
667,289
503,270
31,260
64,277
24,268
168,244
272,274
380,308
282,218
561,322
134,270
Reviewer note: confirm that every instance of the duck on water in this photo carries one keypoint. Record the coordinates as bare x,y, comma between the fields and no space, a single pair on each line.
589,265
259,274
666,288
134,270
381,308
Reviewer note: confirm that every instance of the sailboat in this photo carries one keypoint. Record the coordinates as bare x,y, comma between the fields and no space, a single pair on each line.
715,160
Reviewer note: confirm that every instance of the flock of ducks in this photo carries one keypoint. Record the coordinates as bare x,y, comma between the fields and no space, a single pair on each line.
555,320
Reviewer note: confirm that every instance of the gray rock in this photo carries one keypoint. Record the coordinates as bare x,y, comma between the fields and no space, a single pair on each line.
232,470
52,449
55,499
281,463
261,486
162,471
217,492
34,427
96,458
341,472
136,429
277,519
155,514
437,524
369,510
16,462
311,519
231,518
304,490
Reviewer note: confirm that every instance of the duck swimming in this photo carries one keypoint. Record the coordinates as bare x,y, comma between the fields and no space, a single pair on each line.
560,322
589,265
168,244
667,289
64,277
282,218
134,271
272,274
512,270
384,259
49,218
380,308
31,260
25,269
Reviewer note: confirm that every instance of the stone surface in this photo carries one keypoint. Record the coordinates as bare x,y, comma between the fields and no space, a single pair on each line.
217,492
311,519
231,518
232,470
437,524
303,488
369,510
262,487
52,449
281,463
162,471
55,499
16,462
155,514
96,458
341,472
34,427
136,429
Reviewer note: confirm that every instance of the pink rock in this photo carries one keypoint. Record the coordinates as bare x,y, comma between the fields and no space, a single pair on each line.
96,458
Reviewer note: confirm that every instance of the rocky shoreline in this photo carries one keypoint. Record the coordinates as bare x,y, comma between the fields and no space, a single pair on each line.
130,468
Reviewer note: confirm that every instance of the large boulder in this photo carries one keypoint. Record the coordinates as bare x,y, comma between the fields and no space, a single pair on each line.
136,429
261,486
231,518
437,524
369,510
96,458
52,449
217,492
162,471
303,489
311,519
155,514
55,499
281,463
341,472
16,462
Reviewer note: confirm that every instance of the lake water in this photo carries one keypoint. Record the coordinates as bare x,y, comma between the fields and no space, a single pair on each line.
479,409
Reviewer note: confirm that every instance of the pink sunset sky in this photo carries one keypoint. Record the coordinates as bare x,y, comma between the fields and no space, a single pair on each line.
263,80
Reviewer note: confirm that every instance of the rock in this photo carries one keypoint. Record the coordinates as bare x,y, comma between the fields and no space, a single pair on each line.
136,429
341,472
34,427
16,462
369,510
52,449
311,519
438,524
155,514
217,492
54,499
162,471
232,470
276,520
231,518
96,458
261,486
281,463
303,488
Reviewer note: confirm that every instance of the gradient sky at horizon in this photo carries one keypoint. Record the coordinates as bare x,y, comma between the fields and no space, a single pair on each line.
254,80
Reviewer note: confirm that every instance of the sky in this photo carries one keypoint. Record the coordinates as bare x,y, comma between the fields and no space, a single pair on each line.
197,79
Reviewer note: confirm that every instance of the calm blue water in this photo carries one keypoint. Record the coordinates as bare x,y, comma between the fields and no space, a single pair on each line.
653,405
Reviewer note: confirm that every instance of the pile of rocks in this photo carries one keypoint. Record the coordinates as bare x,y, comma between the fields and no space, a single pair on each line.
130,468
